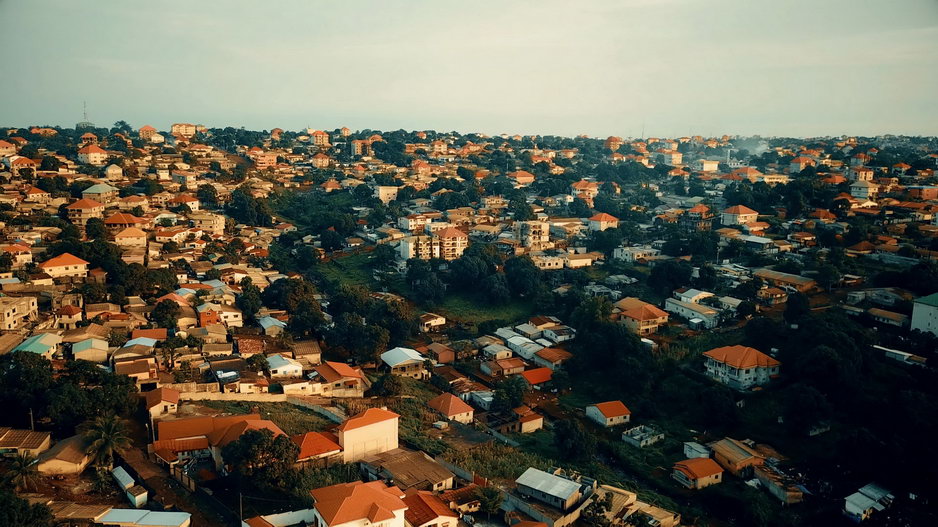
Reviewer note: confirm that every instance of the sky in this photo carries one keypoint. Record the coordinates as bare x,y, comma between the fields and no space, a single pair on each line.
798,68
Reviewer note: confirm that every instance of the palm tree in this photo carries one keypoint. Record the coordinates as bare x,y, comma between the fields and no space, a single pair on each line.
107,437
22,471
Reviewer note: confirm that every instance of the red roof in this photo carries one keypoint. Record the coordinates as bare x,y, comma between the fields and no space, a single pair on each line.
85,203
603,217
697,468
347,502
739,209
449,405
314,444
741,357
62,260
367,418
92,149
160,395
424,507
537,375
334,371
612,409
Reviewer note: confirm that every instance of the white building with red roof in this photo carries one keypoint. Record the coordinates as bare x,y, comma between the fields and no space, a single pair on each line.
92,155
609,413
65,265
358,504
740,367
452,407
603,221
371,432
738,215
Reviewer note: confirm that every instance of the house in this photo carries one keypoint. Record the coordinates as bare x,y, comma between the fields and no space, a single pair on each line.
358,504
538,377
865,502
697,473
161,402
736,456
698,315
65,265
503,367
640,317
100,192
317,447
14,442
44,344
370,432
635,254
925,314
603,221
609,413
552,358
131,237
204,437
83,210
90,349
785,280
452,407
68,456
407,469
16,311
92,155
283,367
336,379
738,215
405,362
740,367
424,509
431,321
137,494
272,327
558,492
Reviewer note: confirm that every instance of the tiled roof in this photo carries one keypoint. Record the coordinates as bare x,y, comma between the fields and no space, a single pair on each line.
741,357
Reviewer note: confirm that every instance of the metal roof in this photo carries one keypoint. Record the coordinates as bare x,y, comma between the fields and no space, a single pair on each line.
548,483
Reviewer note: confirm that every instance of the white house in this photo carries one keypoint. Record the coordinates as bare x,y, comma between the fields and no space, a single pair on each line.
357,504
609,413
740,367
283,367
371,432
925,314
739,215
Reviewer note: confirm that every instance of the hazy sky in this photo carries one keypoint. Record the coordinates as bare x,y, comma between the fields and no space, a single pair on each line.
678,67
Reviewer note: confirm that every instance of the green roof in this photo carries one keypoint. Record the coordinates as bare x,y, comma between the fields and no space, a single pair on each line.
930,300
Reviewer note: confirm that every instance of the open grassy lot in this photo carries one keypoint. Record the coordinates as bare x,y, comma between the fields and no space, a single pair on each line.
466,309
352,269
291,419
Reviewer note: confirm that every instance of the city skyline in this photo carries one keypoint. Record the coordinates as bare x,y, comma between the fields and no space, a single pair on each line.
672,68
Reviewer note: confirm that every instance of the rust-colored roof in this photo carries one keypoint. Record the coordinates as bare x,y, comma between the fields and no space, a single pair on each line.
699,467
451,232
449,405
603,217
92,149
122,218
62,260
335,371
739,209
198,426
646,312
612,409
85,203
68,310
537,375
348,502
424,507
160,395
741,357
366,418
314,444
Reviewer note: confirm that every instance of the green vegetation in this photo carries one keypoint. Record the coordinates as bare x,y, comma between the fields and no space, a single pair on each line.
465,308
290,418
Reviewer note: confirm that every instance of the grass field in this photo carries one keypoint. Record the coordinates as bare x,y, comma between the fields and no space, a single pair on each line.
463,308
354,269
291,419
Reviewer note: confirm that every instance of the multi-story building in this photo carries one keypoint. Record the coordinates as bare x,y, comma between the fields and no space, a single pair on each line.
447,244
83,210
925,314
92,155
739,215
208,223
16,311
533,234
186,130
740,367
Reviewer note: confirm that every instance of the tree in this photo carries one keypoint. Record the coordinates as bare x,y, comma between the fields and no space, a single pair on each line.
258,362
746,309
571,438
17,511
95,229
509,394
165,314
262,458
383,255
249,301
388,385
827,276
490,500
669,275
796,308
496,289
107,437
523,277
330,241
22,471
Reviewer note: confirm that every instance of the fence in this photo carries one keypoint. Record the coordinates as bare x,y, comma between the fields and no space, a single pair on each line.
192,387
230,396
333,413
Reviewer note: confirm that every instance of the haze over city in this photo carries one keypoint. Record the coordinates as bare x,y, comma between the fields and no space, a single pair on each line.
670,67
